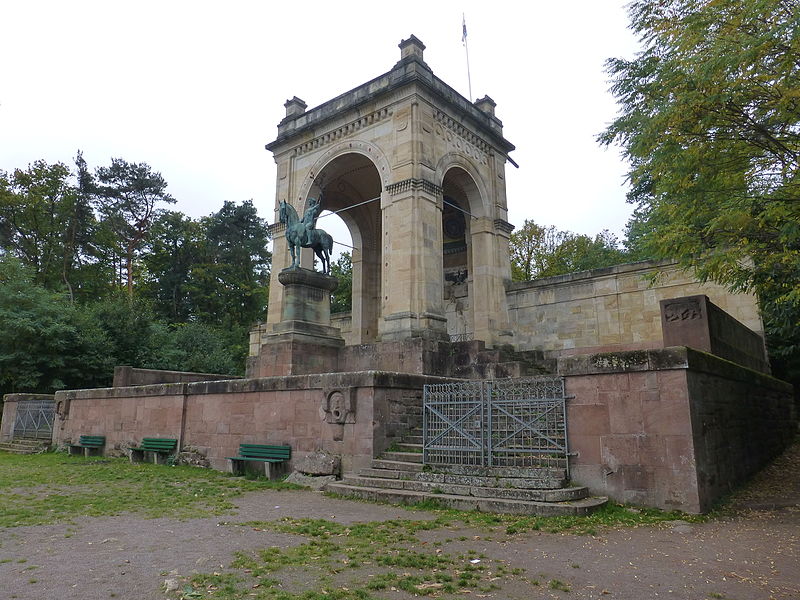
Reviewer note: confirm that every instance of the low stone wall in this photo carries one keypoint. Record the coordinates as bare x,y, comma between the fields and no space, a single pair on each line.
126,376
672,428
355,415
616,308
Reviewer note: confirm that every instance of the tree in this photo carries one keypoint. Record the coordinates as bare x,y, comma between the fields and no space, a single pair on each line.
45,222
342,297
127,195
172,249
229,283
545,252
710,122
48,343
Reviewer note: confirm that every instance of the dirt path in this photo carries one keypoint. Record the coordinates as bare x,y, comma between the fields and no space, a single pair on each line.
751,555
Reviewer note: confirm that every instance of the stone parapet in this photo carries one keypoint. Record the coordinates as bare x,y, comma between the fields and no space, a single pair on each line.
696,322
125,376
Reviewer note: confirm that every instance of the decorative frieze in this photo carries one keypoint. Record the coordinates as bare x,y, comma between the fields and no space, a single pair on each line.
343,131
459,138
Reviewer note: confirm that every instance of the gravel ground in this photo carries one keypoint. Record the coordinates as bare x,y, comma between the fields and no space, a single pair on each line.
753,553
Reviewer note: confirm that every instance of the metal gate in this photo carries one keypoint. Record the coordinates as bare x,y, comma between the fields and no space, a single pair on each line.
496,423
35,419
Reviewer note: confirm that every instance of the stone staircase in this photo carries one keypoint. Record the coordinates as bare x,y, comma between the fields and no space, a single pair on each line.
471,360
398,477
25,446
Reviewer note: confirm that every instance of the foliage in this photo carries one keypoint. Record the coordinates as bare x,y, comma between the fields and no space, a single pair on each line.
47,343
198,347
229,283
44,221
126,195
69,240
538,251
710,122
342,297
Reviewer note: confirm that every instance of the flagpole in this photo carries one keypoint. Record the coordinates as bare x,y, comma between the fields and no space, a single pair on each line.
466,49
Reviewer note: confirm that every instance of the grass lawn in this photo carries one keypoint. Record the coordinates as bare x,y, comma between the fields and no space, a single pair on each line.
53,487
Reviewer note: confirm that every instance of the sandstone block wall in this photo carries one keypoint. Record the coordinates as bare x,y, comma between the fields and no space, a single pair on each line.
609,309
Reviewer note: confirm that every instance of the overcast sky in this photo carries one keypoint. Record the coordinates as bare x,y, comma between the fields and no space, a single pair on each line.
196,89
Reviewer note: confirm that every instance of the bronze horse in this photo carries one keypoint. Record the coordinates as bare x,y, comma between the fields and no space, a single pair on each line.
303,234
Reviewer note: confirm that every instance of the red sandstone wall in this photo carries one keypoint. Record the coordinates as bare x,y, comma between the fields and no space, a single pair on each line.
633,438
672,428
215,417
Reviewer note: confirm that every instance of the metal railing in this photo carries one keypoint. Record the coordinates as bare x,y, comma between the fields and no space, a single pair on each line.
34,419
496,423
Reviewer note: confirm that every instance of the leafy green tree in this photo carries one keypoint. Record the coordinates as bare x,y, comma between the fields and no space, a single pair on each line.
171,251
342,297
199,347
538,251
46,223
48,343
126,196
710,122
229,284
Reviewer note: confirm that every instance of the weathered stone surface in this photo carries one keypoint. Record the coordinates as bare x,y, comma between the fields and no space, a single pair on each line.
697,322
319,463
315,482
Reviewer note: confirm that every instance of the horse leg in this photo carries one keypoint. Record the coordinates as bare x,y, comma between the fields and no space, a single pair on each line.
294,258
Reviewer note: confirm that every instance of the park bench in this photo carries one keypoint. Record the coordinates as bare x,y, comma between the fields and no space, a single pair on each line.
262,459
160,448
88,445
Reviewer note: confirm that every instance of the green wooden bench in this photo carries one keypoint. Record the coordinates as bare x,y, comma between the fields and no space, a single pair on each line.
159,448
261,459
88,445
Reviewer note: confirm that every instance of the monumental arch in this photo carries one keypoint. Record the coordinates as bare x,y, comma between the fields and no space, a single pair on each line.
417,173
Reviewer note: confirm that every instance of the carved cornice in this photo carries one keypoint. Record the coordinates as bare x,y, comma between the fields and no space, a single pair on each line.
276,228
504,226
414,184
343,131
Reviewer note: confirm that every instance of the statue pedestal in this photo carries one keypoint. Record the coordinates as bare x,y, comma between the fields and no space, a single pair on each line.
304,341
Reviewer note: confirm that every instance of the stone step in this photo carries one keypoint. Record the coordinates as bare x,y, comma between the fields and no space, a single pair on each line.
15,448
385,473
544,481
503,472
409,447
410,457
396,465
490,505
538,495
413,439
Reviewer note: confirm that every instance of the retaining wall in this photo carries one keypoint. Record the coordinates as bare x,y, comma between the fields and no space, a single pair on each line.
673,428
371,410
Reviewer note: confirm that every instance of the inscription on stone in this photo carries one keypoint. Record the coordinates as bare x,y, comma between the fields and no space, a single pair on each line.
682,311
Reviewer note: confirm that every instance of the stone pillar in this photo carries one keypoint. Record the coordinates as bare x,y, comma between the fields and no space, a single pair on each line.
412,304
303,341
489,305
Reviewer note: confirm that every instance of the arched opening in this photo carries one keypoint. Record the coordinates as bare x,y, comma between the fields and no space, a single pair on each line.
350,186
461,204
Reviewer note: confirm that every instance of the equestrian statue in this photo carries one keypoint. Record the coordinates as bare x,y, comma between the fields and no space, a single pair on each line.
304,233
